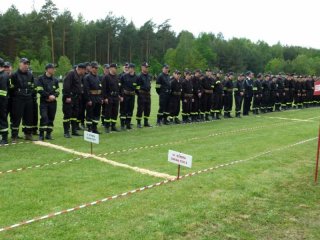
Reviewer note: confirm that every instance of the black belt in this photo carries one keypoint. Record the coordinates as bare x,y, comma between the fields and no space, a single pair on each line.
24,90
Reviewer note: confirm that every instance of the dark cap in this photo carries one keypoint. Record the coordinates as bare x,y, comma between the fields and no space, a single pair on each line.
241,74
24,60
82,65
165,65
94,64
267,75
49,65
259,75
177,72
187,72
230,73
145,64
7,64
1,62
106,66
113,65
197,70
126,64
248,73
131,65
87,64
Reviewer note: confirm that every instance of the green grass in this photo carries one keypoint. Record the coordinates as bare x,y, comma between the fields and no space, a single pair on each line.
268,197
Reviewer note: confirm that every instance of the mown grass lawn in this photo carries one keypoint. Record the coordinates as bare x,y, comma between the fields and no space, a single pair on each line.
270,196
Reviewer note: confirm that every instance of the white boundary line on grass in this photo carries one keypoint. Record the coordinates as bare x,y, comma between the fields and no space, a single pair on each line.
51,215
292,119
138,148
113,163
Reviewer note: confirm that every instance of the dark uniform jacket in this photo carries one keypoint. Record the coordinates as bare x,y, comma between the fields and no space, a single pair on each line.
110,86
144,82
257,87
72,84
4,84
92,88
248,87
128,84
23,83
217,86
187,89
207,84
163,84
47,86
196,84
238,87
176,87
228,86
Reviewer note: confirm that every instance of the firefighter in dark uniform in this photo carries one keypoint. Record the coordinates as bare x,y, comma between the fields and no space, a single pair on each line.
298,93
93,98
228,94
83,104
280,96
122,104
309,91
4,87
257,94
238,94
105,72
197,92
35,119
8,69
289,90
144,96
207,86
187,97
248,92
217,97
175,97
273,93
22,82
72,92
265,93
111,95
128,91
163,88
48,89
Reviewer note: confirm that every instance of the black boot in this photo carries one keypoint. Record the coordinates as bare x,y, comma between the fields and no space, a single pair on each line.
49,135
146,123
139,123
66,127
207,118
177,120
123,124
218,116
107,127
4,139
41,135
225,115
159,120
74,126
128,123
238,115
95,128
113,127
229,115
165,121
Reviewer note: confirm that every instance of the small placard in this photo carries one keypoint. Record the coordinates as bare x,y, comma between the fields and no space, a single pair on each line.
180,158
91,137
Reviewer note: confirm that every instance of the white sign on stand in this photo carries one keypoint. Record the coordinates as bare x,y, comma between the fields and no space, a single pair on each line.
91,137
180,158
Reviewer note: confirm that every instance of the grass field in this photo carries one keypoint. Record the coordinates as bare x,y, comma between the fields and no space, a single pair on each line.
268,194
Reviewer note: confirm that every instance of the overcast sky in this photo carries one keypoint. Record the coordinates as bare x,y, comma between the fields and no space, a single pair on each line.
294,22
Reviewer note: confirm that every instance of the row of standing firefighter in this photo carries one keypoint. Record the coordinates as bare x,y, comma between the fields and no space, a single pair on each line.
89,98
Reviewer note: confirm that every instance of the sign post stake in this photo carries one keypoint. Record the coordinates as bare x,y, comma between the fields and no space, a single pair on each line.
179,166
317,159
92,138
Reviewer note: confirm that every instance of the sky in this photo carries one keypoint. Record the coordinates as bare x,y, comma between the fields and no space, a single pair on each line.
294,22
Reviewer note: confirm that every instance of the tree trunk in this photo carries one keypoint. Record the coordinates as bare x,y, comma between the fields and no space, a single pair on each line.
52,45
